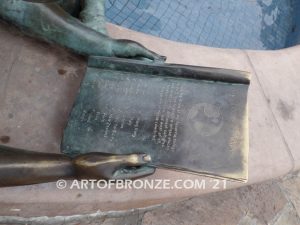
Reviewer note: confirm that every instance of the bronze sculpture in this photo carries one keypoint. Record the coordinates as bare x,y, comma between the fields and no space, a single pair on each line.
53,21
19,167
187,118
210,111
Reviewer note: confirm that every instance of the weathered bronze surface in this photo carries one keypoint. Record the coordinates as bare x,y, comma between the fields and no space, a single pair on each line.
53,22
187,118
20,167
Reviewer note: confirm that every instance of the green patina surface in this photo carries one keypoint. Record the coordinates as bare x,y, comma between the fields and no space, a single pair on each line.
79,26
53,22
187,118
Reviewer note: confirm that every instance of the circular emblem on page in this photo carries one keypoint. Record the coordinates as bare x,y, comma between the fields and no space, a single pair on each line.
205,119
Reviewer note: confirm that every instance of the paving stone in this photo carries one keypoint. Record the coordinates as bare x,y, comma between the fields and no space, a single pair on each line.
262,201
291,187
217,209
249,220
288,216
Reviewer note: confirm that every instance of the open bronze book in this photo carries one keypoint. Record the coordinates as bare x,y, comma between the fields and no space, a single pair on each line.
188,118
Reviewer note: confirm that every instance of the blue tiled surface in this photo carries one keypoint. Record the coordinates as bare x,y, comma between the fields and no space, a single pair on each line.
249,24
294,36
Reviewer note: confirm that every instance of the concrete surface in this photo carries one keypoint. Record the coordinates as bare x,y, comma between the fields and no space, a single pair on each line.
39,83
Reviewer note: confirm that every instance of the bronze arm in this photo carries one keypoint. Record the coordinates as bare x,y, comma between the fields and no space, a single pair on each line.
21,167
51,22
40,1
